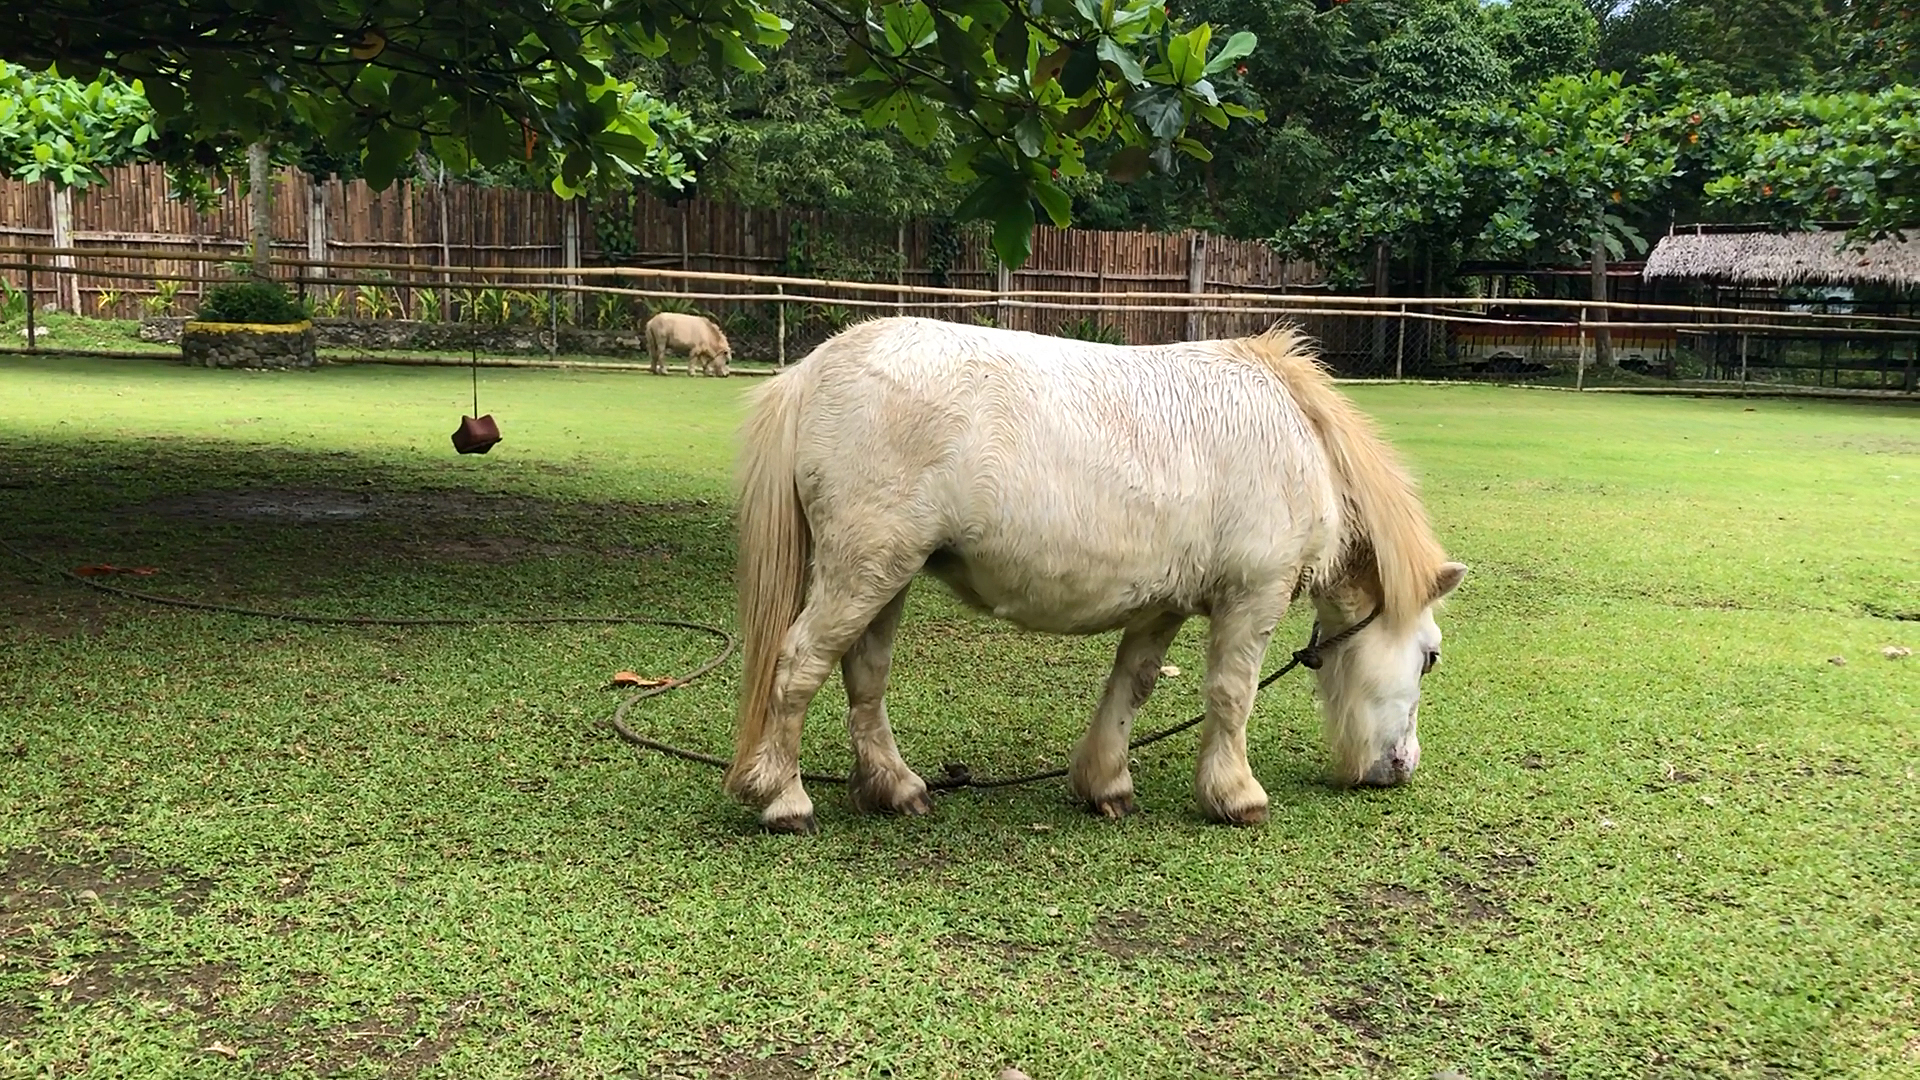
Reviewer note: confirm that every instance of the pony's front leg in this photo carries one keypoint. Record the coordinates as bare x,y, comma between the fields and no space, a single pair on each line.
1224,782
881,780
1099,773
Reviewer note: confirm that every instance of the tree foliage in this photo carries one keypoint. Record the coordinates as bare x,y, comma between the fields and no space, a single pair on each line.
1545,39
1792,161
775,139
1023,87
1529,182
59,129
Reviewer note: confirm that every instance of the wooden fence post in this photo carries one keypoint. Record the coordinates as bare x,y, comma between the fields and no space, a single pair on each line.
446,248
1580,361
66,286
570,253
33,333
317,229
780,334
1400,350
1196,283
1003,282
1382,286
900,271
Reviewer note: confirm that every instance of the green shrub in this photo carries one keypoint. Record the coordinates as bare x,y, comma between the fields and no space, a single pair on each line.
1087,328
249,302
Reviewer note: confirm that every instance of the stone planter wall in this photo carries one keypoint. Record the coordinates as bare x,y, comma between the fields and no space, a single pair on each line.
249,345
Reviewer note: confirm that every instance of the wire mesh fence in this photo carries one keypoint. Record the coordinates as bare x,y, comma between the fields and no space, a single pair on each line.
398,311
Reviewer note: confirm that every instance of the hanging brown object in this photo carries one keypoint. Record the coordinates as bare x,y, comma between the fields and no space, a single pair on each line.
476,435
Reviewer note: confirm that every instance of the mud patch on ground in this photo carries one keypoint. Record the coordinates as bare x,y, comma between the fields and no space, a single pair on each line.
60,930
783,1063
403,1038
63,939
1128,935
55,610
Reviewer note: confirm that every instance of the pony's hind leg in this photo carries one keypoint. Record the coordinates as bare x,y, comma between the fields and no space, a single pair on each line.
1224,782
881,781
1099,773
839,608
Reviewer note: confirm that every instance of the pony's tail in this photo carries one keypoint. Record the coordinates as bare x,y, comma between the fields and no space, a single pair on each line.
1390,538
774,546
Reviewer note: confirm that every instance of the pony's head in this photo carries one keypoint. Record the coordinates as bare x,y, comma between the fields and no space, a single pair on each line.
1370,683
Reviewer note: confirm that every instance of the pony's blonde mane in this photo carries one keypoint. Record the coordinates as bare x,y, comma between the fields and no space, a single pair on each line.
1388,549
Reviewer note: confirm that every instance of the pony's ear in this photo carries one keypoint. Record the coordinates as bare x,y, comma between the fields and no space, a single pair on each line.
1451,575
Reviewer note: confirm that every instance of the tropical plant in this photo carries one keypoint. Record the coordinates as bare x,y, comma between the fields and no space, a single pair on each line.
678,305
105,301
165,296
331,305
610,311
1088,328
13,302
375,302
426,305
833,318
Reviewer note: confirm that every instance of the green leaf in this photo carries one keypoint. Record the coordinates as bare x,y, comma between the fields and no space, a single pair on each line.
1160,111
388,149
917,121
1118,55
1239,45
1055,202
1193,149
1013,231
1030,135
1010,45
1081,72
957,48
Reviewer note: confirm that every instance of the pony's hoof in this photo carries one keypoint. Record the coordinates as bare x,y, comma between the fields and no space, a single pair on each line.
1252,814
1116,807
792,824
908,798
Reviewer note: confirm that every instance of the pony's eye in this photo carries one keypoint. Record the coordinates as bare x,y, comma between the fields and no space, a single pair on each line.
1432,658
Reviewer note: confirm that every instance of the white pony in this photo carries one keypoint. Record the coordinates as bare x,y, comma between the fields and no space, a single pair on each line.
1074,488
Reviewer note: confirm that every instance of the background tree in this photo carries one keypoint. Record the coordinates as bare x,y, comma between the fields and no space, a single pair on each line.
1543,39
775,138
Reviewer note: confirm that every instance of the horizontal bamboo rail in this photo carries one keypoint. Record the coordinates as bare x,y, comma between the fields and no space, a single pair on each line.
1392,303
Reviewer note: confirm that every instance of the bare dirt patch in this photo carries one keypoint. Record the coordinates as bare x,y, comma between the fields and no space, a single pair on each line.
55,610
444,525
375,501
1126,935
46,899
49,902
397,1037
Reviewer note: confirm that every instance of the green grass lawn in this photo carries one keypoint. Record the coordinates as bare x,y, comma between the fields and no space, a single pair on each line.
1659,830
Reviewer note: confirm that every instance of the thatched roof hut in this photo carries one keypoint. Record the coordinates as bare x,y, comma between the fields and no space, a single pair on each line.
1752,257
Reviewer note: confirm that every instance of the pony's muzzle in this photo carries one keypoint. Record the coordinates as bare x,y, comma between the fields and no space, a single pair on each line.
1393,768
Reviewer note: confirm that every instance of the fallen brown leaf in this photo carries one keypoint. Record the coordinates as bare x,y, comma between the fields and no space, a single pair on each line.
223,1050
628,678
